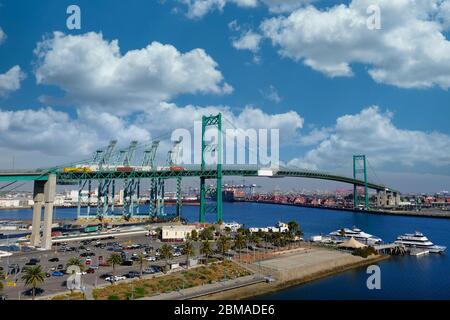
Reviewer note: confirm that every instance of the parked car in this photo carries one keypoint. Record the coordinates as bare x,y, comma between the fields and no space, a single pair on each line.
127,263
90,270
132,274
29,292
156,268
57,274
55,259
149,270
60,267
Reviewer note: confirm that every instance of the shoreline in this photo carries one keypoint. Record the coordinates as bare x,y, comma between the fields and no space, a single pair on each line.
261,289
420,214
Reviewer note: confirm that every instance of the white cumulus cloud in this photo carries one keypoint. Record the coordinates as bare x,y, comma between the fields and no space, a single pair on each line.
409,51
10,80
373,133
2,35
249,40
43,136
279,6
198,8
93,72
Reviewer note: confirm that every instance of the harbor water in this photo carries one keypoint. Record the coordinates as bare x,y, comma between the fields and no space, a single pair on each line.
403,277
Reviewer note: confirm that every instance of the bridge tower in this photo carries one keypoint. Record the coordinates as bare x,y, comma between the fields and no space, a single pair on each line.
211,121
359,168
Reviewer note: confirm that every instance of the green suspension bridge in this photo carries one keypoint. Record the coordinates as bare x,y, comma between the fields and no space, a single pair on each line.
107,167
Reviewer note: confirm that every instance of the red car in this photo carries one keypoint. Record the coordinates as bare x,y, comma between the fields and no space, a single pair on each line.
90,270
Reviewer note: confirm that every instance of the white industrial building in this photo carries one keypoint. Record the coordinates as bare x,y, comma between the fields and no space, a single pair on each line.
279,227
176,232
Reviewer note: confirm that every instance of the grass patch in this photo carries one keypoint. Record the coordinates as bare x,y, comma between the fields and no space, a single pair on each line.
70,296
172,282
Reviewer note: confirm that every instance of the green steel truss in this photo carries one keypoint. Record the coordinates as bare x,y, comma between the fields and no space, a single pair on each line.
74,177
359,168
211,121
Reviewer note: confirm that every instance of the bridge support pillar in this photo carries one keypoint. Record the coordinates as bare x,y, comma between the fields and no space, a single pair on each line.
49,198
38,199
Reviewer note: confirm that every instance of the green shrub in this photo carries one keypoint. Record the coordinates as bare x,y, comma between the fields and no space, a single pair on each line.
364,252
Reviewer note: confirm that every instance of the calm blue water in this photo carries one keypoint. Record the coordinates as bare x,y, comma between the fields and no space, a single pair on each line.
426,277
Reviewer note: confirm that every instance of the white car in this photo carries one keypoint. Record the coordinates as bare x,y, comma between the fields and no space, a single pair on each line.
116,278
150,258
177,254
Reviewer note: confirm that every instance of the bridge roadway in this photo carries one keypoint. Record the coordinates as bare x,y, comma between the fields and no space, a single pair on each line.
73,177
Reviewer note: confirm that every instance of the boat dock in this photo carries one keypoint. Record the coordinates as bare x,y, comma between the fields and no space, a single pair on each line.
390,248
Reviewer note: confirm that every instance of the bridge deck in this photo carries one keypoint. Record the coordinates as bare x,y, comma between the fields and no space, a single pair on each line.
68,177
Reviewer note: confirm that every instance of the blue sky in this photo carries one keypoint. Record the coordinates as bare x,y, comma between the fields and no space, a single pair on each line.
414,112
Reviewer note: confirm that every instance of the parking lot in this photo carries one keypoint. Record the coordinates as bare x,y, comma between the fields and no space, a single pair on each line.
93,254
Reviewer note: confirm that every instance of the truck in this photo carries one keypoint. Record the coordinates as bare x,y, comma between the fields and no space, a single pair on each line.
89,229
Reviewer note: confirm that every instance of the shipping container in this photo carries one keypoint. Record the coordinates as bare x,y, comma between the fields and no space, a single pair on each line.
125,169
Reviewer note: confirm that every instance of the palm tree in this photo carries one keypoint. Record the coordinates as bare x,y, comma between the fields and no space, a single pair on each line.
75,261
223,245
188,250
141,260
239,243
206,250
158,232
113,260
194,235
207,233
33,276
1,278
166,253
255,239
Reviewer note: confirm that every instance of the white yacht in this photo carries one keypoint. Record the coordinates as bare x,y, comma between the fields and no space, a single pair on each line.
357,234
419,241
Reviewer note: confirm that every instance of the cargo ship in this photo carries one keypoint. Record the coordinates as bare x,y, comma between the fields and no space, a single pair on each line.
232,195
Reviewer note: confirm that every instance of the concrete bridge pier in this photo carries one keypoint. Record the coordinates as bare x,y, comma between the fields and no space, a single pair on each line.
49,198
38,199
